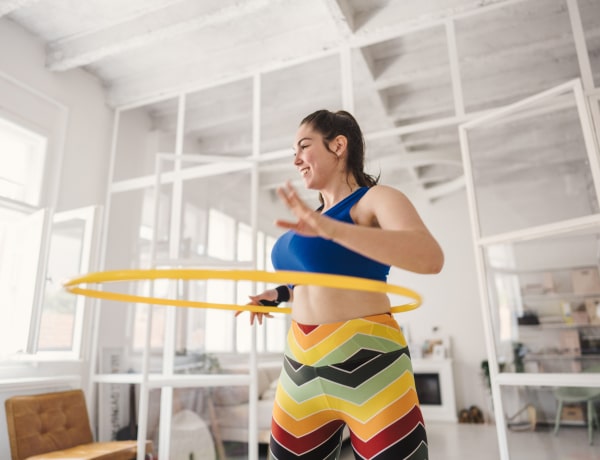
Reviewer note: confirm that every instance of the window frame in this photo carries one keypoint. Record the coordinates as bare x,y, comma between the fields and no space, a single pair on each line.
34,111
90,216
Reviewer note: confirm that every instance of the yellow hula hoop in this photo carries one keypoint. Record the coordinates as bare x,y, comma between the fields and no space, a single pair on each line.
280,277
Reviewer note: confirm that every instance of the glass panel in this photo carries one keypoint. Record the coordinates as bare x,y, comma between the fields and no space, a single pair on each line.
590,12
509,53
287,96
22,159
531,416
531,167
244,242
130,232
403,81
545,303
596,120
131,227
384,157
142,133
218,121
20,242
225,199
195,416
59,308
213,208
424,159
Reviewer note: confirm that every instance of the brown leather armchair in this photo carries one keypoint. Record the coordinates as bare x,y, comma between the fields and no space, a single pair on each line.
56,426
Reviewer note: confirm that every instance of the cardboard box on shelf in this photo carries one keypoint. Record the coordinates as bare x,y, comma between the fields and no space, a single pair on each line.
592,305
580,317
586,280
572,413
548,282
569,342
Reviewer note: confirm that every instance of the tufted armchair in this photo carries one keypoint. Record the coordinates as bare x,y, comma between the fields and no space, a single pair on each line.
56,426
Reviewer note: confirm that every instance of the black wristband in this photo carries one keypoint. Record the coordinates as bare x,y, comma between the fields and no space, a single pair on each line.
268,303
283,293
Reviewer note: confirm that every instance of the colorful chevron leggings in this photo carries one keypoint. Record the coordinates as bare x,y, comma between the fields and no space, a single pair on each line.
356,373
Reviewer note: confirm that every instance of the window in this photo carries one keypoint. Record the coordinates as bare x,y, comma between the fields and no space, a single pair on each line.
22,156
506,286
228,243
20,244
221,234
39,250
61,318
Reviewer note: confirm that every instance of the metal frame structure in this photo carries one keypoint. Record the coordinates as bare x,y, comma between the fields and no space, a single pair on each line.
498,380
253,162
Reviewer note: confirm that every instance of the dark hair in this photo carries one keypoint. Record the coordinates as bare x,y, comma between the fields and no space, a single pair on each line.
332,124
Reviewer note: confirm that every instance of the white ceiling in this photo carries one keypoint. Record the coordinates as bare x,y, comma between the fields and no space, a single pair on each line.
401,55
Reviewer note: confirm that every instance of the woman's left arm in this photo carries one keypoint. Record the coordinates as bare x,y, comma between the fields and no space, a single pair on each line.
395,235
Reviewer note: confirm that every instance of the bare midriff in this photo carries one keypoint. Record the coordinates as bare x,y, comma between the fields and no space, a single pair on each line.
320,305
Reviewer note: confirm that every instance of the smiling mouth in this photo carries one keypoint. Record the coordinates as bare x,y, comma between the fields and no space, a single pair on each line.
304,171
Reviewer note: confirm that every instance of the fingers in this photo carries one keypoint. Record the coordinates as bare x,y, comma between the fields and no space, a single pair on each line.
259,317
254,300
254,316
287,193
285,224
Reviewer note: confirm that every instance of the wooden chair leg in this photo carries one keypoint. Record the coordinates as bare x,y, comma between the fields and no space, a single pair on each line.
590,420
216,431
558,415
592,417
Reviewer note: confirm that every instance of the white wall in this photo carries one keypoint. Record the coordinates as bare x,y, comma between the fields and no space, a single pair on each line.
86,148
450,298
87,144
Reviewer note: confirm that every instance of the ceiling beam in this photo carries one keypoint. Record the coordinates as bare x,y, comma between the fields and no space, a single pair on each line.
415,160
147,85
8,6
157,26
372,28
446,188
220,67
342,15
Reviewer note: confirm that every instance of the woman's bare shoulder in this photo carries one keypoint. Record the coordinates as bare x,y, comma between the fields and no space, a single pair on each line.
378,193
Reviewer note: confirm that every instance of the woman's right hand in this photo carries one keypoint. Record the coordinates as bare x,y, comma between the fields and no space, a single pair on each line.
270,295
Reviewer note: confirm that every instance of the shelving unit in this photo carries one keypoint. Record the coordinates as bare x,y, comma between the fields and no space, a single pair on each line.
525,254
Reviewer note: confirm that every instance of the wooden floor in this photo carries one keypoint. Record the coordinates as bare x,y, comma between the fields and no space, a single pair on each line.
453,441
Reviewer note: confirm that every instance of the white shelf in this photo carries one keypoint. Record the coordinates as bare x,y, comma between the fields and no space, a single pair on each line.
581,225
549,379
557,357
554,296
38,382
558,326
177,380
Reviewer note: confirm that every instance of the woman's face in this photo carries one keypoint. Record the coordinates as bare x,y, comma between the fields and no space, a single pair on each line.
313,161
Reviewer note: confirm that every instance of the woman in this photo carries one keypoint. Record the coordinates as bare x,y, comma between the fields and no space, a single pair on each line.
346,360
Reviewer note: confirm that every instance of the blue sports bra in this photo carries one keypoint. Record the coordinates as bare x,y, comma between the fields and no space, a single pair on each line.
295,252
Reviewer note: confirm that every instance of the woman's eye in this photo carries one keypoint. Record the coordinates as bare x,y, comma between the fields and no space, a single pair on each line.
301,147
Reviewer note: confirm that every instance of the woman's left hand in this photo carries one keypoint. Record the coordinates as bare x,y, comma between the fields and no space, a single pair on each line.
310,222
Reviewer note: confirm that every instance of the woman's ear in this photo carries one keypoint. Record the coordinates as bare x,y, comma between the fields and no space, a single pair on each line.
339,144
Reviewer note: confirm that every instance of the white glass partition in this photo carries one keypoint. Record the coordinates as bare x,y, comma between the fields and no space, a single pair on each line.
532,182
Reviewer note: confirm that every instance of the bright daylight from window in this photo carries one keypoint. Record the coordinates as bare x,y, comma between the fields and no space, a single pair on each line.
22,155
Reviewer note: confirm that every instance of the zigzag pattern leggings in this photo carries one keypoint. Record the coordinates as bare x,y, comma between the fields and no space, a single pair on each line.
354,373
